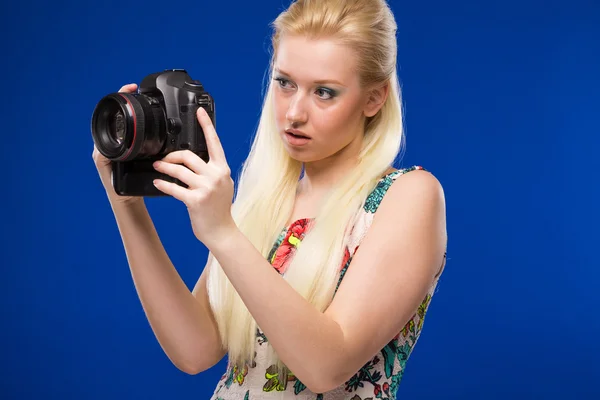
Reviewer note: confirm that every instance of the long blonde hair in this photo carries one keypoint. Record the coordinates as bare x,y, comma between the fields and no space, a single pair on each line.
266,186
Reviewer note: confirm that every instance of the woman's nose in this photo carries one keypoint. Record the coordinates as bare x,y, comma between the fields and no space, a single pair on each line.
296,111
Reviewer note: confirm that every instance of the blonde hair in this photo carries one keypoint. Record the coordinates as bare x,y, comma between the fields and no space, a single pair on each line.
266,187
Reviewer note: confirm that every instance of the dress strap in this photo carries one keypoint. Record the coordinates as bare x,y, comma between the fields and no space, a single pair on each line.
376,196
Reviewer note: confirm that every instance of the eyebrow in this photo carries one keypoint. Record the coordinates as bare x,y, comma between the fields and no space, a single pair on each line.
322,81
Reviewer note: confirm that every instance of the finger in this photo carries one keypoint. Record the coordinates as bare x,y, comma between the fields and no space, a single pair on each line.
172,189
180,172
187,158
213,143
131,87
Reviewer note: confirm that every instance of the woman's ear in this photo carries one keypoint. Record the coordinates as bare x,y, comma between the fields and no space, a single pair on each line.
376,99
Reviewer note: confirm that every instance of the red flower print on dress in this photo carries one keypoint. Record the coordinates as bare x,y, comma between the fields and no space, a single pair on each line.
376,389
346,258
386,388
293,237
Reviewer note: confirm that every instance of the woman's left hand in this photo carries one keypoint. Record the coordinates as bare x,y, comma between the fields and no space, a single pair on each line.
210,188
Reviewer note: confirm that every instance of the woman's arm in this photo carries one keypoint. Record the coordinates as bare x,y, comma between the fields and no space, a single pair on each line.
385,283
182,322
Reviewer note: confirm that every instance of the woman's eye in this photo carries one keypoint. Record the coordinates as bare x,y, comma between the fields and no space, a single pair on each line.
282,82
323,93
328,93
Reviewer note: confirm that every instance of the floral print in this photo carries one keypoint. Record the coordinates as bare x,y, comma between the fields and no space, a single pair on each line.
236,375
274,381
379,378
287,242
374,199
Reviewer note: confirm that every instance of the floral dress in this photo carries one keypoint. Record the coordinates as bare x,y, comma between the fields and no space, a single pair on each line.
379,378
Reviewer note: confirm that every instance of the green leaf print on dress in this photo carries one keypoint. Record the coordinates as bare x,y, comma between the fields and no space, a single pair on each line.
275,382
374,199
365,374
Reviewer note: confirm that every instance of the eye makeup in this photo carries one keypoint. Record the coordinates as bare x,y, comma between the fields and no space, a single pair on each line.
331,93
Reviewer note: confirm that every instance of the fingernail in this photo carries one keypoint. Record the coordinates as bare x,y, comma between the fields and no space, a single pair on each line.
156,164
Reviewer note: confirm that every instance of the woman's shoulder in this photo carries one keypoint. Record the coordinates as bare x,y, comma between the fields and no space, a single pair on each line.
376,196
393,173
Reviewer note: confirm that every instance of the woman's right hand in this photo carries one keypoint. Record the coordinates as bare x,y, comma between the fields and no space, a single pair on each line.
103,165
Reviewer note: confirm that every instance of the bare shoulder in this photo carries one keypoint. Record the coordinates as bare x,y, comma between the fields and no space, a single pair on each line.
414,190
418,182
415,205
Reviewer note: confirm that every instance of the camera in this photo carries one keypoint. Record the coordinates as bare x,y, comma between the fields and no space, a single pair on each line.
133,130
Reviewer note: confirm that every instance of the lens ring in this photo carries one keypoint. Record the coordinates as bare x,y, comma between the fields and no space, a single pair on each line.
118,112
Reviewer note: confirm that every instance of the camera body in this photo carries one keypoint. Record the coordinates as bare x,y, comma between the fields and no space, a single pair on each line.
135,129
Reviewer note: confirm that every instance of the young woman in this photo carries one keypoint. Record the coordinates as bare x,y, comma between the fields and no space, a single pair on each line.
320,273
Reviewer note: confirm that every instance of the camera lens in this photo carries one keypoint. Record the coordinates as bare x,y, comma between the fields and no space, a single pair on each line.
128,126
116,129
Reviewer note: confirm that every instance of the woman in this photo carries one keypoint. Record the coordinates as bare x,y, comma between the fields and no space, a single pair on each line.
300,310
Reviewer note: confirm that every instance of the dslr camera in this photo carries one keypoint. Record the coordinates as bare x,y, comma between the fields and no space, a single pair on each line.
133,130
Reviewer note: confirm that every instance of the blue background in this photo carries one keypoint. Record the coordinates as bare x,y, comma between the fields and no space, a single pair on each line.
501,105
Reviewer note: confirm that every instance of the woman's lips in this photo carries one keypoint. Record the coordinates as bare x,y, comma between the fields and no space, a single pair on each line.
297,132
296,140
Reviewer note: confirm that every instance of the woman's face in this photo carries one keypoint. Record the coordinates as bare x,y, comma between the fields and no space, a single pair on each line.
317,90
